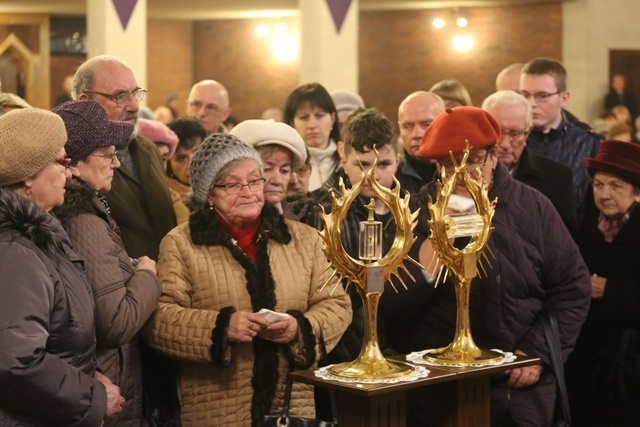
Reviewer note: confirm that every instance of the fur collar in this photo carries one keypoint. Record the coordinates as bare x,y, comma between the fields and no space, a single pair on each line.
31,221
206,230
79,198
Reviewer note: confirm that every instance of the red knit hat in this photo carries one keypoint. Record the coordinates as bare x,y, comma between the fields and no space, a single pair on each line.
451,129
618,158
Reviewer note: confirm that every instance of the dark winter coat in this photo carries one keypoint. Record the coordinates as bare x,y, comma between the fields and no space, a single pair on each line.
537,267
410,179
596,402
124,299
47,340
552,179
569,145
142,206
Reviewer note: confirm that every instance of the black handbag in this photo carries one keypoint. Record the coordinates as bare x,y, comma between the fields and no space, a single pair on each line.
284,419
562,414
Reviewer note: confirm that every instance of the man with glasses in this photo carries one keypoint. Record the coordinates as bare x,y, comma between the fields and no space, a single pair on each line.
544,83
537,267
513,113
415,114
139,198
208,102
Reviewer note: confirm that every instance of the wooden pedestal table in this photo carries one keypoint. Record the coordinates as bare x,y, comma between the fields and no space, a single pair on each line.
462,396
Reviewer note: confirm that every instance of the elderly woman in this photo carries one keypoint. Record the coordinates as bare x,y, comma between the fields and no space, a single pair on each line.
125,295
310,110
603,373
47,340
282,151
236,256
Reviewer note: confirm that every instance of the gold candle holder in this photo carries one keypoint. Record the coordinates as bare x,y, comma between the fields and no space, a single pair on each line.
461,264
369,275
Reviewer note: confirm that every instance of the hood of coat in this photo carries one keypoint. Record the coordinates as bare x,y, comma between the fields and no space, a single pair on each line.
29,220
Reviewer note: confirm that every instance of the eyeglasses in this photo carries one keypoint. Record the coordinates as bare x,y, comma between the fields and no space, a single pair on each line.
539,96
208,108
304,171
65,163
236,187
123,97
112,157
474,160
514,135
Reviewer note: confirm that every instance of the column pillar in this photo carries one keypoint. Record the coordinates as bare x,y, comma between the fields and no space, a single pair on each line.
327,56
107,35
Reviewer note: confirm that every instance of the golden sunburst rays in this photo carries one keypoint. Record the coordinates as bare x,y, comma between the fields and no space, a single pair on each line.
448,259
461,264
352,270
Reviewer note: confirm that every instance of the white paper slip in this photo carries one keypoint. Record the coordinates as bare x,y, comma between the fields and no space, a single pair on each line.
272,316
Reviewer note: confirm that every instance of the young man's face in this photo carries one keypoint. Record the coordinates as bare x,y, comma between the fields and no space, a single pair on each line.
546,101
388,160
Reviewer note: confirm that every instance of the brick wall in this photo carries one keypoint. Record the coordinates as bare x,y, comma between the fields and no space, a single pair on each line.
229,51
170,61
400,52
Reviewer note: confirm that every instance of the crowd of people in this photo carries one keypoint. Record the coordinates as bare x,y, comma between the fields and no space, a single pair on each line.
137,254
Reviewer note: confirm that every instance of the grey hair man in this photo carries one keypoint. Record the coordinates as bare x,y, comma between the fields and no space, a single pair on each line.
415,114
139,199
208,102
512,111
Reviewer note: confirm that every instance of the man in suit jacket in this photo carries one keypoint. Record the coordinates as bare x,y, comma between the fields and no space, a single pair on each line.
139,199
512,111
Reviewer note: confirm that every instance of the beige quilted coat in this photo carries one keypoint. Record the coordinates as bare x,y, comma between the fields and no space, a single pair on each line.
201,280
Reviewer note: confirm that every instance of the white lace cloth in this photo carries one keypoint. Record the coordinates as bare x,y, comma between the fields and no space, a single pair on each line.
417,357
418,372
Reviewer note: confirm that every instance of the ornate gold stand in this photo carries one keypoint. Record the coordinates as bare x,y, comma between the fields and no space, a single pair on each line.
370,276
461,264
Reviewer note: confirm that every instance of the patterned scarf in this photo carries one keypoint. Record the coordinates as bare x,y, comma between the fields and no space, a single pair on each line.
609,227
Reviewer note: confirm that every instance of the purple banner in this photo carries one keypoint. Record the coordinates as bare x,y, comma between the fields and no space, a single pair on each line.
338,9
124,9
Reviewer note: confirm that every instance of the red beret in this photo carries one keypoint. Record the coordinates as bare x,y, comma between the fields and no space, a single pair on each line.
618,158
451,129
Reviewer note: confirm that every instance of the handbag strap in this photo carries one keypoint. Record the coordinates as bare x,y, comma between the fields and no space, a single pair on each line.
287,398
550,326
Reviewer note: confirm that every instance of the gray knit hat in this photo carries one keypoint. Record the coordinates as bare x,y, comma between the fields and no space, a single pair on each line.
89,128
214,153
29,140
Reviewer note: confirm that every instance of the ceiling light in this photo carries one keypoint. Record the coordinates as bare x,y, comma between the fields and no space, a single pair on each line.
262,30
439,23
462,43
461,22
282,29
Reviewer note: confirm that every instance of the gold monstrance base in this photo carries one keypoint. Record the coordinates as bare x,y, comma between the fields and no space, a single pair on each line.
371,367
455,357
370,363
